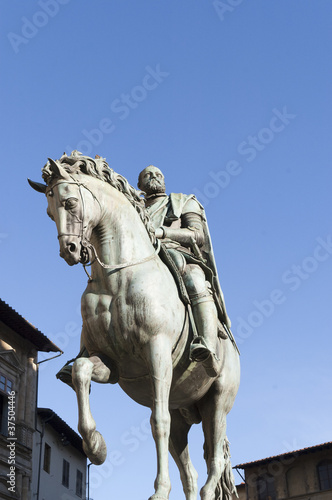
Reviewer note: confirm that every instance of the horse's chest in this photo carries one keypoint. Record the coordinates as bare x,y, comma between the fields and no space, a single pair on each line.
96,309
104,319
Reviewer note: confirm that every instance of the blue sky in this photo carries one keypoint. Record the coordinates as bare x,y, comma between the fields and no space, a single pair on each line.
231,100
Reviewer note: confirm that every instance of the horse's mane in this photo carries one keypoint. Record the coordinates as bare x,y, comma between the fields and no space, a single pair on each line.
98,167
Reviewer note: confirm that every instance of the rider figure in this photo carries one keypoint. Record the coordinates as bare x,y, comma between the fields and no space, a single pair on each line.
180,224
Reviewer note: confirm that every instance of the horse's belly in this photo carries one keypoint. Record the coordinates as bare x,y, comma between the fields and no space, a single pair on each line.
187,388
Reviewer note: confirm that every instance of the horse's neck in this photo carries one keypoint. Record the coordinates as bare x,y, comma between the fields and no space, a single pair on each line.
120,236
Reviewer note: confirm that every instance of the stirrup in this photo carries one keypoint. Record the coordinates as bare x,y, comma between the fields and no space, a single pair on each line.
199,351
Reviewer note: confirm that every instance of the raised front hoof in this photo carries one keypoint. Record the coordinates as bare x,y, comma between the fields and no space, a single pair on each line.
96,451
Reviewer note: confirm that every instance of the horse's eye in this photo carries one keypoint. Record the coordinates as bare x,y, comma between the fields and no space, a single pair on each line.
70,203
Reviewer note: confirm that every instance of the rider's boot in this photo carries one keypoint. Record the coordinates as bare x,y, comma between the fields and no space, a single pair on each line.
203,348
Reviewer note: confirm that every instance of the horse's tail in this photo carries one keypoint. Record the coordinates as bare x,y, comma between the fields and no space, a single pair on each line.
226,486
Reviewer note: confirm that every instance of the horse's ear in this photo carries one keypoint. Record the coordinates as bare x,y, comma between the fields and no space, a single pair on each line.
37,186
57,170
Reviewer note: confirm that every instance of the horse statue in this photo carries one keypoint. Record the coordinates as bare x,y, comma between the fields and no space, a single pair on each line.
135,327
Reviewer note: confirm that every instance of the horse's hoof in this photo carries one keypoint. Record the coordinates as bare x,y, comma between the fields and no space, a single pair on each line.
96,451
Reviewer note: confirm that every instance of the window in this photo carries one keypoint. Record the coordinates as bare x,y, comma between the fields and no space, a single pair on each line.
6,385
47,458
79,483
9,385
2,383
325,474
265,487
65,473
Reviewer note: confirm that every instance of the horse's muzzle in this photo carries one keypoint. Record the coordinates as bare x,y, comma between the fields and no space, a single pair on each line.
70,250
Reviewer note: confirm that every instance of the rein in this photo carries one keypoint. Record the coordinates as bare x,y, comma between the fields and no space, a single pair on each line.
85,243
115,267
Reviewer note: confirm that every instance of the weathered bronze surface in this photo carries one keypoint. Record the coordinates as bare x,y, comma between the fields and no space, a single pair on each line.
136,329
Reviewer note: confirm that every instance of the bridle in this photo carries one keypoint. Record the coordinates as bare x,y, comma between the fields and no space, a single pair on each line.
86,244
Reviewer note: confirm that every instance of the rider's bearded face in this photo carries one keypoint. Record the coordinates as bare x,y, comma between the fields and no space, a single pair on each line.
152,181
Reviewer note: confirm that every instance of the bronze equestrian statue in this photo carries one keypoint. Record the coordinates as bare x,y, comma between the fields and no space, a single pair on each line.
140,325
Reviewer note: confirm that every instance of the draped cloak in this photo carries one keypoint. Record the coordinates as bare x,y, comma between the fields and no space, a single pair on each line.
167,211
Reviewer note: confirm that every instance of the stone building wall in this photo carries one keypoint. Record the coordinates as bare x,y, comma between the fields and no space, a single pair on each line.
290,476
18,359
19,345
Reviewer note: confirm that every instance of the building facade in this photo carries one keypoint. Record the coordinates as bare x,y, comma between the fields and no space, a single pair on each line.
241,492
59,462
19,345
302,475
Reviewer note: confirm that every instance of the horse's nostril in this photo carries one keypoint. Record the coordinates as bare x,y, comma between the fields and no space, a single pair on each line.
72,247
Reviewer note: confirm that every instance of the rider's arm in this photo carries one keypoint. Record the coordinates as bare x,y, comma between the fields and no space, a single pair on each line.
192,230
191,226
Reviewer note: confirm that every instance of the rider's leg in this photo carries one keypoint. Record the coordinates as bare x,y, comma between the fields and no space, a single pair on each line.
206,320
204,347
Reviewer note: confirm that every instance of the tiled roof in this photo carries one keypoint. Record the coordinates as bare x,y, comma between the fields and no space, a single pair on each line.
60,426
22,327
294,453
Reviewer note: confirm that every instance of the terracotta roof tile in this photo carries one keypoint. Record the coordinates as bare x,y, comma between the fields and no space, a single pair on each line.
22,327
280,457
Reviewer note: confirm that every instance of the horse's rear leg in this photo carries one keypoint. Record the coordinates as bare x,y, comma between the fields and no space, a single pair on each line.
178,446
158,357
213,412
84,370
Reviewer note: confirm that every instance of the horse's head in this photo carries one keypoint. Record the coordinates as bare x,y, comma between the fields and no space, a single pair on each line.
78,190
72,206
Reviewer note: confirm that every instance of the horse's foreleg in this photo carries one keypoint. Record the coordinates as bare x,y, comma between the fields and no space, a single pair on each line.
178,446
158,357
84,370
